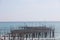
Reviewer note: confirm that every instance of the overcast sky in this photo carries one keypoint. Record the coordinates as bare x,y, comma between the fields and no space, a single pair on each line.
29,10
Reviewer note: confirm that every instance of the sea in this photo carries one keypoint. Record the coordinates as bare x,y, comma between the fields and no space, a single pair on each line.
6,27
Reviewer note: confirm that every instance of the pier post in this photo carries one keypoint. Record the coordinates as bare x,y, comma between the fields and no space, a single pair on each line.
9,36
4,37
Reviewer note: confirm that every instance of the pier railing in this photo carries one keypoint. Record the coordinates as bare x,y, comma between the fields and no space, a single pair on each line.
16,38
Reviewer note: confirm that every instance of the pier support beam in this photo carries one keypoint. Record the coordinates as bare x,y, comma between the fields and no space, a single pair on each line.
9,36
4,37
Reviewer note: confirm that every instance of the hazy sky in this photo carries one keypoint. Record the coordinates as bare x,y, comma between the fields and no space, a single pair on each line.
29,10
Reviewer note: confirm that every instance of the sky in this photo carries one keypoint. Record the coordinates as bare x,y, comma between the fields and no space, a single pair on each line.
29,10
